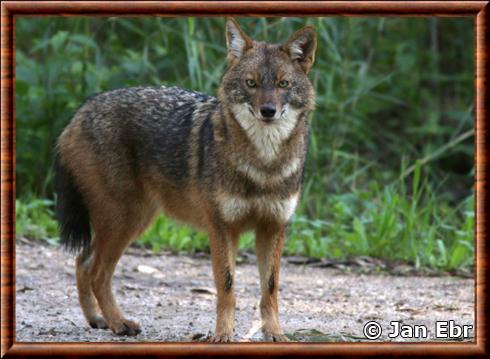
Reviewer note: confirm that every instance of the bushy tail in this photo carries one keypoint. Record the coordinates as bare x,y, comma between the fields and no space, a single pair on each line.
72,213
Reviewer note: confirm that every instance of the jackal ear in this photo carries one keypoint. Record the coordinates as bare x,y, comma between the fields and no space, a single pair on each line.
301,47
236,40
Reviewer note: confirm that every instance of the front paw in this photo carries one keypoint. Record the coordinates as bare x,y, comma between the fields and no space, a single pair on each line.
275,337
97,322
126,327
220,338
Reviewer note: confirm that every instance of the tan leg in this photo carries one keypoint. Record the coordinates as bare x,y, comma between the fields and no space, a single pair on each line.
269,243
223,255
112,235
107,251
89,305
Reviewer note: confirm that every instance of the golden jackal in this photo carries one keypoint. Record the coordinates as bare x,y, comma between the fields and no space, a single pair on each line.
222,165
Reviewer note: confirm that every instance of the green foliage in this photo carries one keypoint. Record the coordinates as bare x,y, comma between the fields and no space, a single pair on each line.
166,234
34,219
392,92
387,222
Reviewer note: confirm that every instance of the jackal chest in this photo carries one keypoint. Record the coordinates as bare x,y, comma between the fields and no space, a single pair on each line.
235,208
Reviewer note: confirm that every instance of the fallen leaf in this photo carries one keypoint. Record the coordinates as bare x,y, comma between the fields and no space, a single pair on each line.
24,289
203,291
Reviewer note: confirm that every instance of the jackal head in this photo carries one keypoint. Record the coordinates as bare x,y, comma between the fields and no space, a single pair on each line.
266,85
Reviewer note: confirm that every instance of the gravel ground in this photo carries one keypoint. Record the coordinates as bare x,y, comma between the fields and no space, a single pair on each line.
173,298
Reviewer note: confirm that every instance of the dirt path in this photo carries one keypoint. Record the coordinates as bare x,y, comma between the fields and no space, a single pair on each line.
173,299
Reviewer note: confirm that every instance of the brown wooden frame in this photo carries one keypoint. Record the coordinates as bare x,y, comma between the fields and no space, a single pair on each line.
12,9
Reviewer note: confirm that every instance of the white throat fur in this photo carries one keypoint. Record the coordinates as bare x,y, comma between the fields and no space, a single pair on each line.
266,137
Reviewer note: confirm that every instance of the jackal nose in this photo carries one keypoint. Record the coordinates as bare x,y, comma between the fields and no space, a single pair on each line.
268,110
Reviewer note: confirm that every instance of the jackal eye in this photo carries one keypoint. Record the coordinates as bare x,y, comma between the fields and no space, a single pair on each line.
283,83
250,83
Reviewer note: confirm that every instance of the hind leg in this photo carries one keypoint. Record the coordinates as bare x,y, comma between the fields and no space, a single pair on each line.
86,297
106,255
112,236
